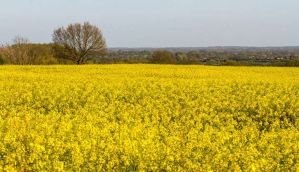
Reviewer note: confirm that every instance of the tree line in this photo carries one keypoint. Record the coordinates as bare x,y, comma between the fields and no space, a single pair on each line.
77,43
213,57
84,43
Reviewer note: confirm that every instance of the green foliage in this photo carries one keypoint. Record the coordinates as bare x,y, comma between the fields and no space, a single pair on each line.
234,63
42,54
290,63
182,58
1,60
163,57
209,56
61,54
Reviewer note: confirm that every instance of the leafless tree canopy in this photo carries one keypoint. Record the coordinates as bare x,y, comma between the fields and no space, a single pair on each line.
17,53
80,41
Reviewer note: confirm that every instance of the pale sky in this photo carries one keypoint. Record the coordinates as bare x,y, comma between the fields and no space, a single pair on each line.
159,23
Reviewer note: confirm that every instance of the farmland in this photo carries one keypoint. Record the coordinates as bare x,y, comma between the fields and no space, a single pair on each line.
149,118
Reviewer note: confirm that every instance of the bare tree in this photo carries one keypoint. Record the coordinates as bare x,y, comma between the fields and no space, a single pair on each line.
79,42
17,53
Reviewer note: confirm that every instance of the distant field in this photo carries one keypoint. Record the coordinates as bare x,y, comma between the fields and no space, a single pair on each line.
149,118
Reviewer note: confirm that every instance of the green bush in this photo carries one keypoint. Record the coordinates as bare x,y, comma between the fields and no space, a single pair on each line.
289,63
234,63
163,57
1,60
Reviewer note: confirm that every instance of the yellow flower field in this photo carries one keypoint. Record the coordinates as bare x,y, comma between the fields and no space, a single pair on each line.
149,118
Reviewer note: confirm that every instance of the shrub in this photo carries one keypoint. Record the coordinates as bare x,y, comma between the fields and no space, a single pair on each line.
163,57
1,60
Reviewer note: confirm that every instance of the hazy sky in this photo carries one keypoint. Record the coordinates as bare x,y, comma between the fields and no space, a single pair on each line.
159,23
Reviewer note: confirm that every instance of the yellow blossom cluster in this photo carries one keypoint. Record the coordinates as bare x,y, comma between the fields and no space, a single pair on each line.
149,118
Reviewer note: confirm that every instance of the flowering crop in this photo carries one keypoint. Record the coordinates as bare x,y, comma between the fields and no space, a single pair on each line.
149,118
